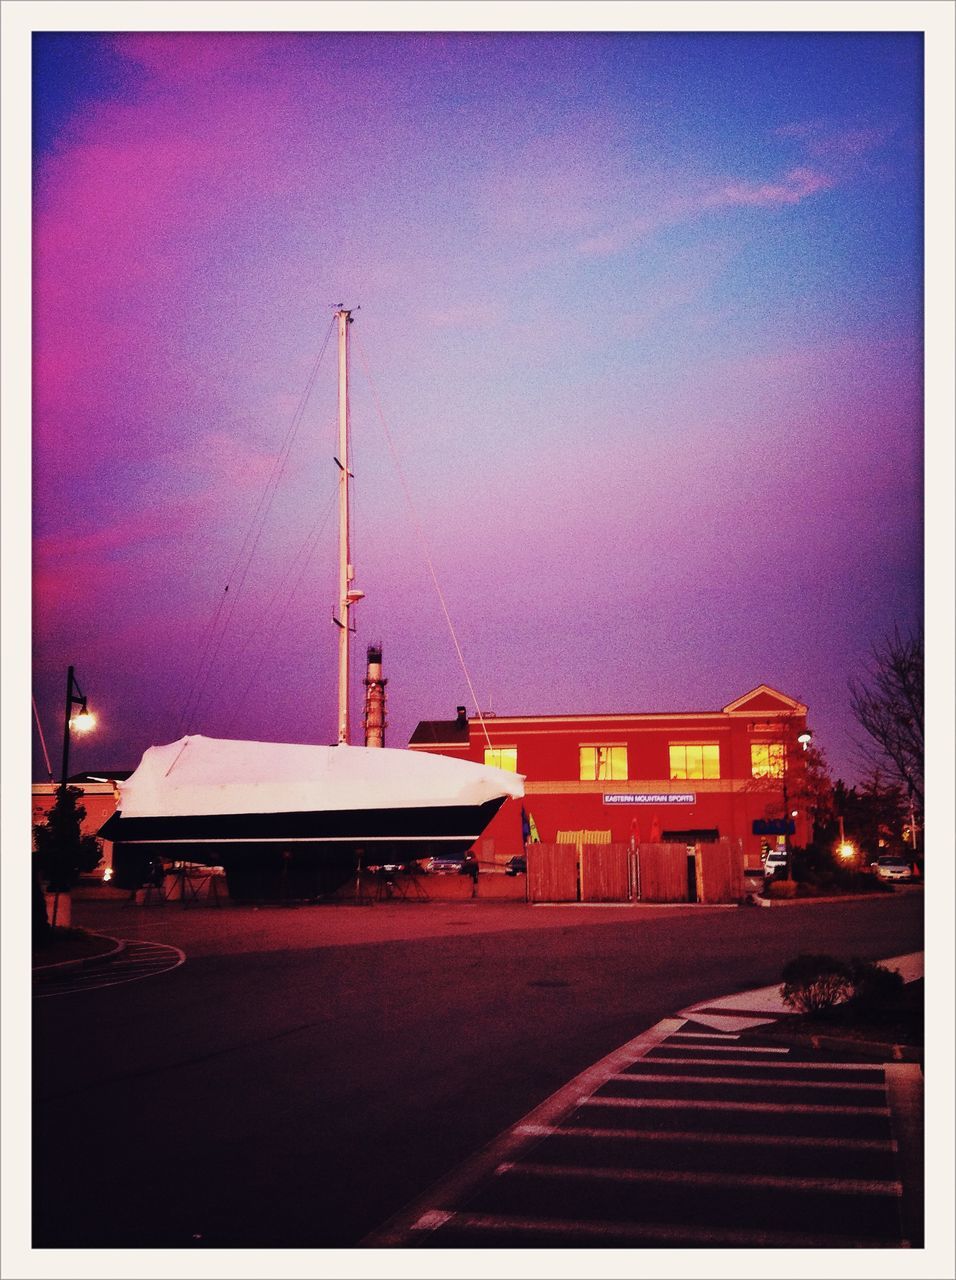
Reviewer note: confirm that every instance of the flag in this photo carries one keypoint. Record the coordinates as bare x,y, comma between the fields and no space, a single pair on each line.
533,831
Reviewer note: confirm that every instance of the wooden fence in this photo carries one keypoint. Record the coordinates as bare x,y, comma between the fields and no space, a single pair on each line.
661,873
604,872
552,872
720,872
585,872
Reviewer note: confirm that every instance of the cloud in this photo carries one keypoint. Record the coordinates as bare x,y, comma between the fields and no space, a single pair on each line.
795,186
825,141
689,199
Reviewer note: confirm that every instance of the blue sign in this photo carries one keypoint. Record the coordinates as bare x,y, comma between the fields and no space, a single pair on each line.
662,797
774,827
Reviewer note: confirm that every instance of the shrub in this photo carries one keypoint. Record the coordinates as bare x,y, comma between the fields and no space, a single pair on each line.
782,889
874,987
812,983
814,865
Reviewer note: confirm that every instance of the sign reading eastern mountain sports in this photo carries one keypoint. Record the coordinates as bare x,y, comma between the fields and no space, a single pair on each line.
669,797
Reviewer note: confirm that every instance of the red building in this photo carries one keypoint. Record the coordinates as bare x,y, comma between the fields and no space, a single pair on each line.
696,776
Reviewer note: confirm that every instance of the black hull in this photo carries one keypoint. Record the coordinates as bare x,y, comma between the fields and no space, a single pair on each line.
294,854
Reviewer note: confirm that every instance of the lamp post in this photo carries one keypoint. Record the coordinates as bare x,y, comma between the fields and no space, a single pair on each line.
83,721
804,739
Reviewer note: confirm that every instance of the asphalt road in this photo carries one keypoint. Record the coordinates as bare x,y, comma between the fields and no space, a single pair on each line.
297,1095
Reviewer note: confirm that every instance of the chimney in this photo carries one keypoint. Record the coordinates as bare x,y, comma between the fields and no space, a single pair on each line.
462,718
374,698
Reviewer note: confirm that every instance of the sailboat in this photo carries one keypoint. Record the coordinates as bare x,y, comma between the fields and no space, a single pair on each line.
299,820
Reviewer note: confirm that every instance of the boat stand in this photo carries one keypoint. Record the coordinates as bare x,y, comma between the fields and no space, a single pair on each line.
395,886
192,885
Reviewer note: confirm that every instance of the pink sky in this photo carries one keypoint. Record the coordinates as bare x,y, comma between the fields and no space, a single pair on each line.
649,355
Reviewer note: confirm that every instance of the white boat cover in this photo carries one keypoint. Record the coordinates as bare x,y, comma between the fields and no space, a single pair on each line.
199,775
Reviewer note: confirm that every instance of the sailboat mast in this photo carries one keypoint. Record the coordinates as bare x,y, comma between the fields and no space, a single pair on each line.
347,596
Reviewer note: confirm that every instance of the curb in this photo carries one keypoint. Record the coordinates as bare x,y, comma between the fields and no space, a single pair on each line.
870,1048
84,961
819,901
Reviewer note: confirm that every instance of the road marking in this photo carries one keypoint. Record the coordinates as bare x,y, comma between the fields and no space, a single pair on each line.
709,1139
730,1048
725,1021
748,1082
689,1104
663,1232
705,1035
137,961
726,1181
448,1190
432,1220
773,1064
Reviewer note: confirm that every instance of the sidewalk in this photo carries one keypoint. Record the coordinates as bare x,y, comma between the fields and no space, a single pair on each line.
702,1132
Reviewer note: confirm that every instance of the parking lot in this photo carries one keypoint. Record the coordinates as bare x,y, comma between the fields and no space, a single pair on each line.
352,1056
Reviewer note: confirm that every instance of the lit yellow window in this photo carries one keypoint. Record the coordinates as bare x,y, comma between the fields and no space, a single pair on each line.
502,758
695,760
602,763
766,759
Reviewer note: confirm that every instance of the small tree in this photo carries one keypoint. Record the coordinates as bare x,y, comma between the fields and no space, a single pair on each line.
815,788
63,853
888,706
874,814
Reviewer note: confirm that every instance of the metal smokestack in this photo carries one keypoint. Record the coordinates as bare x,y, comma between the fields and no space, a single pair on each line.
374,698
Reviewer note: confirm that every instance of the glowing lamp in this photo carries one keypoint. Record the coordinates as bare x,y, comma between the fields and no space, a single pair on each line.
83,721
846,850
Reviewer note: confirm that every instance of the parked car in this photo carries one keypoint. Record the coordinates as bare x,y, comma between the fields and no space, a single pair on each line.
516,866
775,858
445,866
890,866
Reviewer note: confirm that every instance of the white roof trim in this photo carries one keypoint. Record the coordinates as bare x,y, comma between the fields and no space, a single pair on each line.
796,708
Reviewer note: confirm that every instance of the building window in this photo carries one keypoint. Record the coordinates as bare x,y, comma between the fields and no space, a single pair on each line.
766,759
695,760
599,764
502,758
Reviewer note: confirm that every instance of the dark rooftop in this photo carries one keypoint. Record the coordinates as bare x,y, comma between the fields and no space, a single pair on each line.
444,731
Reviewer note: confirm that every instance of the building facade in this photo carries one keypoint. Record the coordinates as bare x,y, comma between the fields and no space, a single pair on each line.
737,773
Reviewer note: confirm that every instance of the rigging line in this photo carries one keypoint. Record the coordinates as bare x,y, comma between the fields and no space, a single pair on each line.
279,615
421,536
192,703
207,640
305,550
46,756
273,482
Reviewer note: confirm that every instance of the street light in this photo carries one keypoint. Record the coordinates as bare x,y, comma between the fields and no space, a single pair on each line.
82,722
804,739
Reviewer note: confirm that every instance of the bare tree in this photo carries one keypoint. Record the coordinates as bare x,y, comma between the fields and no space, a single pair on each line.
888,706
